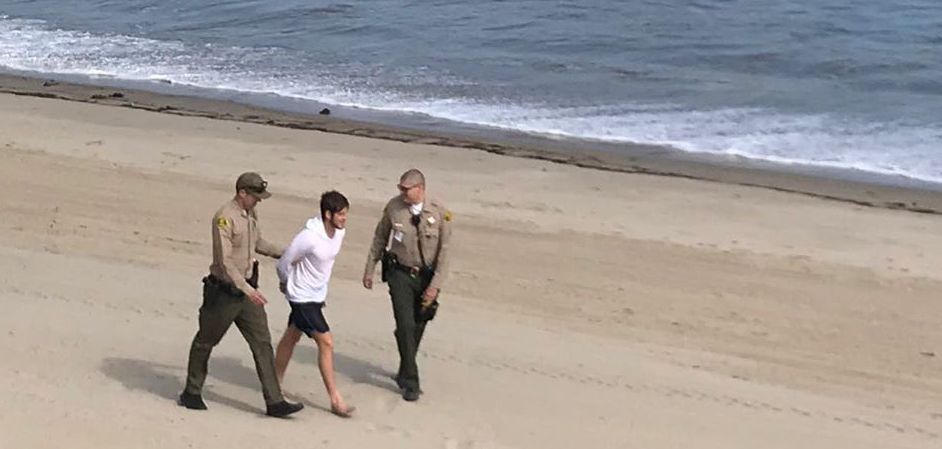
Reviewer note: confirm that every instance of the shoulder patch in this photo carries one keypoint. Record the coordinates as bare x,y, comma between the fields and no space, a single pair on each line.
448,215
222,222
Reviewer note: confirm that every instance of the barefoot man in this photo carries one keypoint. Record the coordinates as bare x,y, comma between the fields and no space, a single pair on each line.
304,270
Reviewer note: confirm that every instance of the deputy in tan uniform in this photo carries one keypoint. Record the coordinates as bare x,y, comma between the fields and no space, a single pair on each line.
231,295
411,239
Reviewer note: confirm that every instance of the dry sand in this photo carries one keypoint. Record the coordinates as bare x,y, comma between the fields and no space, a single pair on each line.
585,308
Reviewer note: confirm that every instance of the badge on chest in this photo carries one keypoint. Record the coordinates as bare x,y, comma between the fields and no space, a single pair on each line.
397,232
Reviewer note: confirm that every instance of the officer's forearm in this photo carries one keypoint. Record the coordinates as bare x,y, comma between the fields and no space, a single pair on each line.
370,265
441,268
269,249
380,238
437,280
237,278
442,258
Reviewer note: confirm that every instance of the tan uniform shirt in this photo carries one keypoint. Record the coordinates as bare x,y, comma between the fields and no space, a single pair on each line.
236,239
433,232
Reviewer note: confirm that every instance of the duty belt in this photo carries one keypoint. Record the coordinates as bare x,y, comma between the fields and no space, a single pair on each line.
229,287
413,271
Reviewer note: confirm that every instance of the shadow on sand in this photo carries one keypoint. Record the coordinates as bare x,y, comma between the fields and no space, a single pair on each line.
359,371
166,381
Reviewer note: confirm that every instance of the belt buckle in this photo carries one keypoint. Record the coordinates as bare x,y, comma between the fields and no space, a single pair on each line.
413,271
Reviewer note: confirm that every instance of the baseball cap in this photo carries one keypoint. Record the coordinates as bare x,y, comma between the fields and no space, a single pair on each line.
253,184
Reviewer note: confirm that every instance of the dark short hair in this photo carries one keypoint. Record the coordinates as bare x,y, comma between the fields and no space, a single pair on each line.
334,202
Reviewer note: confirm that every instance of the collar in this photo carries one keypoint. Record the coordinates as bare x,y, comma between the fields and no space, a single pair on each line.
416,209
238,208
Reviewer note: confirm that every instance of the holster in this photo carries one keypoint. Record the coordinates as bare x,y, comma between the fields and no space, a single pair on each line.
212,284
253,280
388,262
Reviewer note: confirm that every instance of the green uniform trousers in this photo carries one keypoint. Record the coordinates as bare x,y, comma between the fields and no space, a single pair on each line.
406,293
221,307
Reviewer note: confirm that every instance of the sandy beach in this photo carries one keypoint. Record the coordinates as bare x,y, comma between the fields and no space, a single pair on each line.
586,307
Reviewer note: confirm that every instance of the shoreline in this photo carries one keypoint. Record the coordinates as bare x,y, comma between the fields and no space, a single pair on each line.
641,159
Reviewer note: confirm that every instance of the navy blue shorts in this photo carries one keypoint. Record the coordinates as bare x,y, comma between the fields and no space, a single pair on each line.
308,317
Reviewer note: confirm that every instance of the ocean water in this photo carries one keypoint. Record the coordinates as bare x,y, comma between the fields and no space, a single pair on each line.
837,83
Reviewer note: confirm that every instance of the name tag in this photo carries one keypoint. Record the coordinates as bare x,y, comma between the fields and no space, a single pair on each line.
397,236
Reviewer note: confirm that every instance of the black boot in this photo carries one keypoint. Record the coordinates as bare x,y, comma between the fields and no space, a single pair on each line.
410,394
282,409
192,401
401,385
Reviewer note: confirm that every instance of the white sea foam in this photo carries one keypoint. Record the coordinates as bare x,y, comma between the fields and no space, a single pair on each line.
823,140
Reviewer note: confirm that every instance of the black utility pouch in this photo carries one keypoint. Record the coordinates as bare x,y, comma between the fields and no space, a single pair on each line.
213,287
426,313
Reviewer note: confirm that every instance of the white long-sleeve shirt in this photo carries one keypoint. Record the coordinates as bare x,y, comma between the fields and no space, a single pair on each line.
306,265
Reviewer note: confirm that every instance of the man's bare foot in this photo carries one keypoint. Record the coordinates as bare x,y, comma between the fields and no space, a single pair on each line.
343,411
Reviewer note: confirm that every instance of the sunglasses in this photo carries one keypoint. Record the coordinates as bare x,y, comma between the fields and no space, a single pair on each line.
259,188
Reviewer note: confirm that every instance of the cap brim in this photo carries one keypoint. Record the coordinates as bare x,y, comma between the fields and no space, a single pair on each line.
261,195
